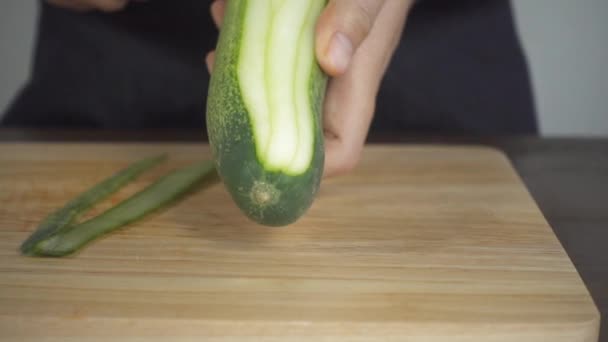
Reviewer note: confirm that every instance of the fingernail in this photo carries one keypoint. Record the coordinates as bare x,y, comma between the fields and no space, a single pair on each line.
340,51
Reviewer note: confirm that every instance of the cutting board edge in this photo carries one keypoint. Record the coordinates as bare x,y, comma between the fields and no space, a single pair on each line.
292,330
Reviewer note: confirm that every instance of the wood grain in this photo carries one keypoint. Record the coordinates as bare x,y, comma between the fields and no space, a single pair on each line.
420,243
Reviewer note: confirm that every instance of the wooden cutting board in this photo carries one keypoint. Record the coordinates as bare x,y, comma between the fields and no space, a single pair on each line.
420,243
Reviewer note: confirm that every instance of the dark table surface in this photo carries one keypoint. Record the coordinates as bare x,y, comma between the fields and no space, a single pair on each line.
568,178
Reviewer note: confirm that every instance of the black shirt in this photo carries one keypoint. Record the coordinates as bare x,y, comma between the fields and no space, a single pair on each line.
459,68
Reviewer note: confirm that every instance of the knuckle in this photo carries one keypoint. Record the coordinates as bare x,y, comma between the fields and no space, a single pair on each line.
359,20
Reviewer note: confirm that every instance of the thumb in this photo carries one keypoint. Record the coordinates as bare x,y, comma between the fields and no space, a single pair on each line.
341,28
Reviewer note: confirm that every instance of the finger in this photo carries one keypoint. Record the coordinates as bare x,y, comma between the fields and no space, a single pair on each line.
350,101
218,8
341,29
348,114
348,111
217,11
210,60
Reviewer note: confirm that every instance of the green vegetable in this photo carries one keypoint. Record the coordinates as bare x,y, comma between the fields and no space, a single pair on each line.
156,195
61,219
264,108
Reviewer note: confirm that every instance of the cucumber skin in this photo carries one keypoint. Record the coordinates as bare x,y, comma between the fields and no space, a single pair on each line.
232,142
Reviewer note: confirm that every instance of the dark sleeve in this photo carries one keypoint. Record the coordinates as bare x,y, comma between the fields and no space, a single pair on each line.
459,69
141,67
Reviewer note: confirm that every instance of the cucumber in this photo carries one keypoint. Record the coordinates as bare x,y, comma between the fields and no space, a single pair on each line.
264,108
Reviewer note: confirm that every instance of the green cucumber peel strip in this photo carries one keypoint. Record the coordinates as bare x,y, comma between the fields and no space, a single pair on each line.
61,219
164,191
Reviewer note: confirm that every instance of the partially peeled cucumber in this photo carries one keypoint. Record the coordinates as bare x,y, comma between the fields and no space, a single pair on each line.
264,108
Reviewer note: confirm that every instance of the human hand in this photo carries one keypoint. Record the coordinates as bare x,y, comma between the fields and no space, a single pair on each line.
88,5
355,41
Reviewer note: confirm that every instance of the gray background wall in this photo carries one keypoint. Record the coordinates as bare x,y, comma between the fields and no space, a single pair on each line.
567,46
17,29
566,42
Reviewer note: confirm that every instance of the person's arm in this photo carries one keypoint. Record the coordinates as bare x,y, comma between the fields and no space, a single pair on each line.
355,41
